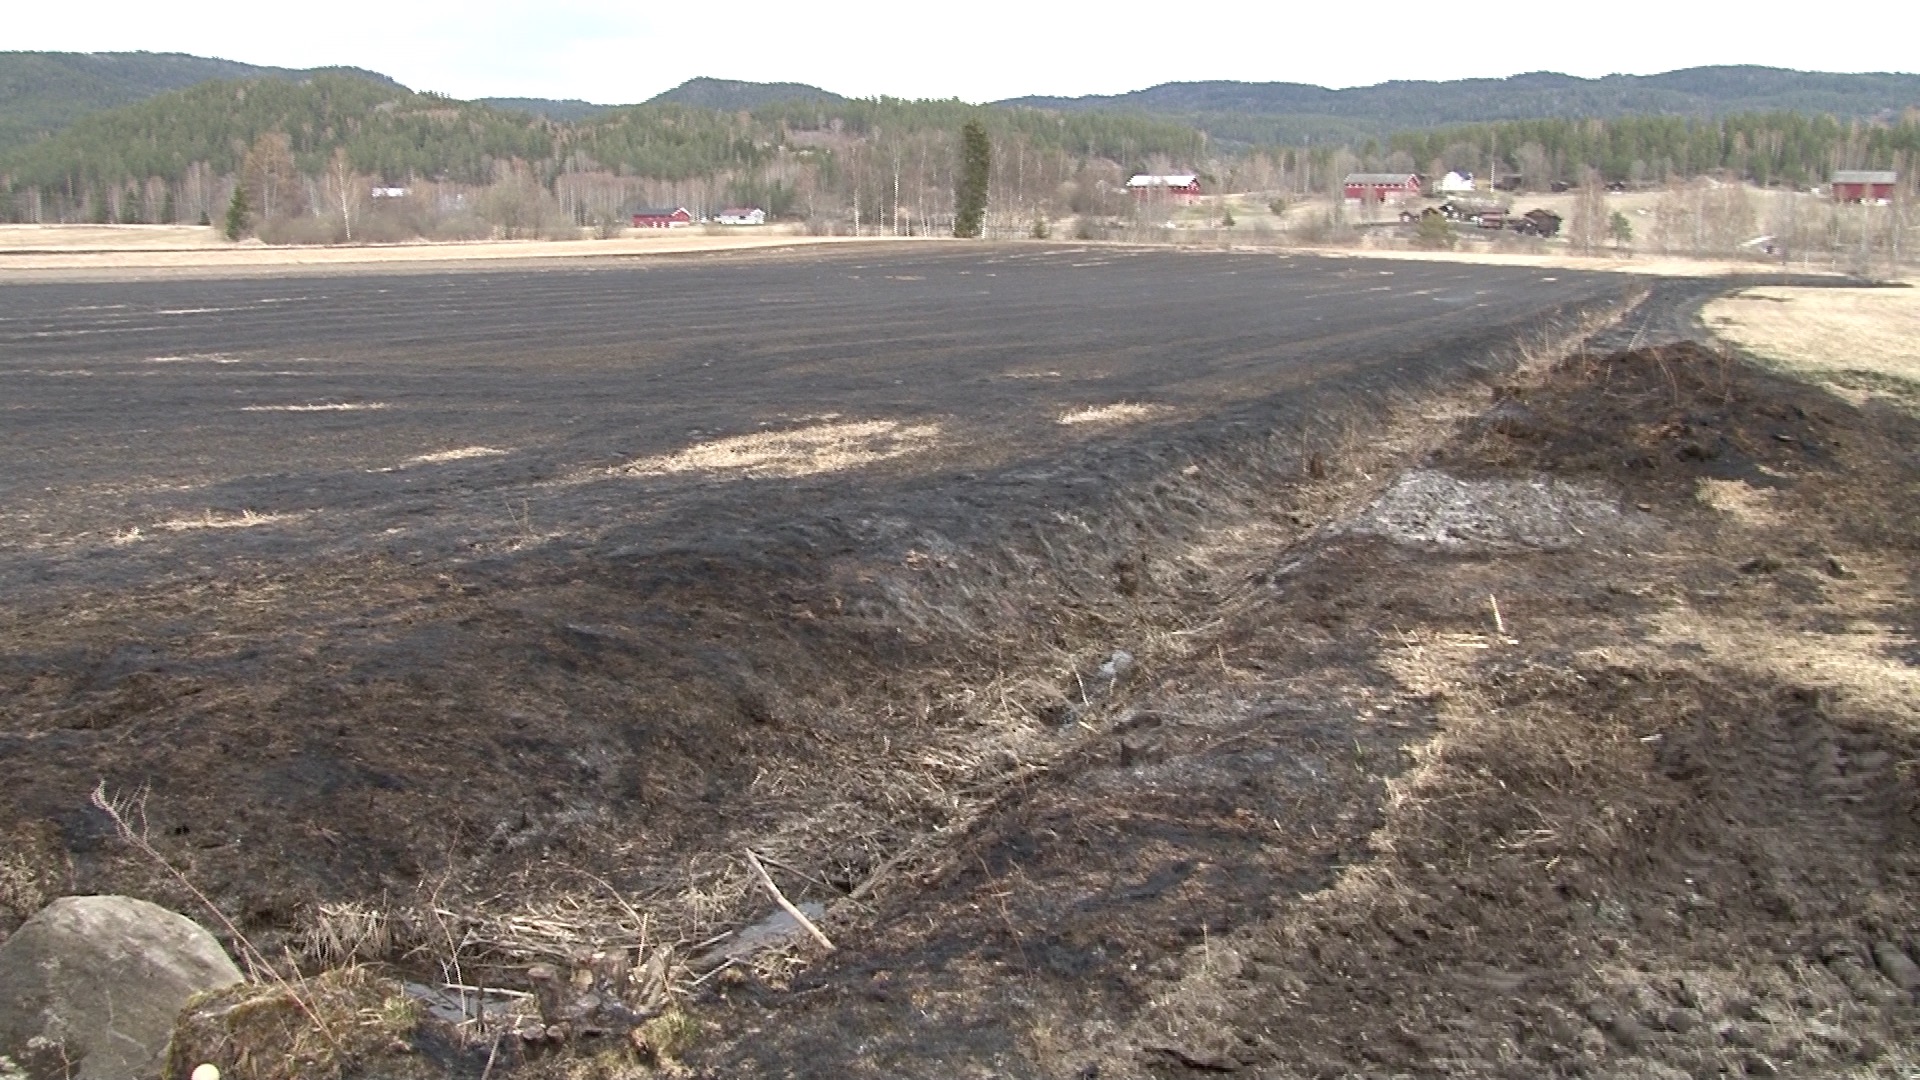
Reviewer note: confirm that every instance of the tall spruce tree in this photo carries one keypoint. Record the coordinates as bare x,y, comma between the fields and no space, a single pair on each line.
970,194
237,213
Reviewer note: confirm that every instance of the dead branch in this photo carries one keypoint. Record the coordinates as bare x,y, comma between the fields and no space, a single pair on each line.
256,961
785,904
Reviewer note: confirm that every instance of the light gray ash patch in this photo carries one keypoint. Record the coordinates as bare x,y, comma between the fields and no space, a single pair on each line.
1432,509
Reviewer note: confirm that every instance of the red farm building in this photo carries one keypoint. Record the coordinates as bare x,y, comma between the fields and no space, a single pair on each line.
1864,187
662,218
1181,187
1382,187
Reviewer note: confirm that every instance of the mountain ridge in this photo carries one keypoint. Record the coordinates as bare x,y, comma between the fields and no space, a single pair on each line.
1289,112
730,95
43,92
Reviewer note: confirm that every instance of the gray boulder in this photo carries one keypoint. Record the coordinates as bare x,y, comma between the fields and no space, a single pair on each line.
92,985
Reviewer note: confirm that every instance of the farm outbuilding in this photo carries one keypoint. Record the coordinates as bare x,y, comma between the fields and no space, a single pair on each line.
1381,187
1180,186
741,215
662,218
1861,186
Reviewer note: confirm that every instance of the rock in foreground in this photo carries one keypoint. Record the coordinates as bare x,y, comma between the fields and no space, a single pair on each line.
92,985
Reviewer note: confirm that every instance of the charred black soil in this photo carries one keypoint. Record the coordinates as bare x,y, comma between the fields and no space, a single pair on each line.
367,579
1147,662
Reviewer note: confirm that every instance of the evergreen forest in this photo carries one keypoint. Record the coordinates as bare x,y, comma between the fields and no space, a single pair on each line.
311,150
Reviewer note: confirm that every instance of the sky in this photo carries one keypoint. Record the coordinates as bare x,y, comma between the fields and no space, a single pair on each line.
981,50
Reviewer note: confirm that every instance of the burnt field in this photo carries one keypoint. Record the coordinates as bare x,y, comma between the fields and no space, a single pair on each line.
358,574
342,405
1109,643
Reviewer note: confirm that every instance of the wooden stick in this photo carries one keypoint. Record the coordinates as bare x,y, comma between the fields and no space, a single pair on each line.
787,905
730,961
479,991
808,878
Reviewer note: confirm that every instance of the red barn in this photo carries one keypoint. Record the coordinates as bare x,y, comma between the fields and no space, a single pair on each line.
1181,187
662,218
1380,187
1864,187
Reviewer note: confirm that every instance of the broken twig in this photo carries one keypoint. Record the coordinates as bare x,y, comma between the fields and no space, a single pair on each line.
785,904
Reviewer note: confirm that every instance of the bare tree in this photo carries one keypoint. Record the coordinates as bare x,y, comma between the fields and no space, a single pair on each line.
1588,228
520,206
273,187
345,190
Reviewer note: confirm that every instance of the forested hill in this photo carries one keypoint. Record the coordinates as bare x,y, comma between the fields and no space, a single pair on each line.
393,133
1289,112
731,94
42,92
566,110
724,95
387,129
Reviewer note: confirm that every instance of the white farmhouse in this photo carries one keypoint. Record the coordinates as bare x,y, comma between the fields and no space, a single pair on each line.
1183,187
1455,183
741,215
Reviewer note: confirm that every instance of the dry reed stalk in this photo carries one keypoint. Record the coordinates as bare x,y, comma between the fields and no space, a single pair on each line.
258,968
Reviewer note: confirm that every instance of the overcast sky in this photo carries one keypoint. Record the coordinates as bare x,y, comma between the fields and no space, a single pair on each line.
623,52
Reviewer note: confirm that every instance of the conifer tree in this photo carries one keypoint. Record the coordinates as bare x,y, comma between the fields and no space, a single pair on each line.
237,212
970,193
1620,229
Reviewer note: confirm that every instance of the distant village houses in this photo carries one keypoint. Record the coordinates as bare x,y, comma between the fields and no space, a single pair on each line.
741,215
1181,187
1382,187
1862,186
662,218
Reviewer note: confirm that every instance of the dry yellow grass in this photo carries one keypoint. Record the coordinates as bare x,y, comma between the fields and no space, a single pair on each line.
354,406
463,453
1863,667
820,448
246,519
110,249
1738,499
1122,413
1857,342
49,238
1638,265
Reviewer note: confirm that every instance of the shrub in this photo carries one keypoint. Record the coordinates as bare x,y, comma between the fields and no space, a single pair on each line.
1435,233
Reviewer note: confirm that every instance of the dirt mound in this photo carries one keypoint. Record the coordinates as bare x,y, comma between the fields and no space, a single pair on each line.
1592,777
1650,838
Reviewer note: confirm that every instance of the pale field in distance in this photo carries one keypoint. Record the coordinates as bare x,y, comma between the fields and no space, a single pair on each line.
1858,342
191,247
39,238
